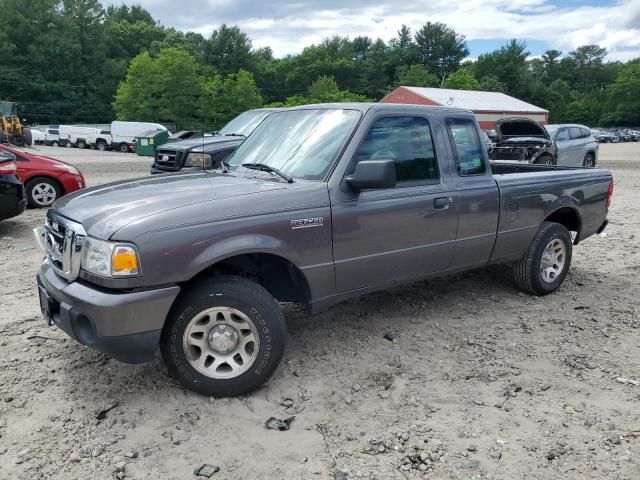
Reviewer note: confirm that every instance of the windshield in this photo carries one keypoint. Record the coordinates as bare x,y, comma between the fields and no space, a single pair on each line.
244,123
300,143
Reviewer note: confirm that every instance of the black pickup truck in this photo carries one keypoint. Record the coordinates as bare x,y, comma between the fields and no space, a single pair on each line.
209,151
320,204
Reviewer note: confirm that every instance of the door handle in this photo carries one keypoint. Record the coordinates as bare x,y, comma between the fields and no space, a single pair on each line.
442,203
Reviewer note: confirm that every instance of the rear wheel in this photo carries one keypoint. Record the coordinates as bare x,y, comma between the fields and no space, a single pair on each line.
589,160
81,144
545,265
224,337
124,148
42,192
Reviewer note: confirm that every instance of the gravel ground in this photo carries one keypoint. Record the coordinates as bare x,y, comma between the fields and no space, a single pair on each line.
473,380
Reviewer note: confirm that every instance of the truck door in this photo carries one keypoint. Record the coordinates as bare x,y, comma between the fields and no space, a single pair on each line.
383,235
478,196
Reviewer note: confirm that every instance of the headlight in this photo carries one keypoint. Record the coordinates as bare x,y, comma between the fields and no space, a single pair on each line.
68,168
202,160
109,259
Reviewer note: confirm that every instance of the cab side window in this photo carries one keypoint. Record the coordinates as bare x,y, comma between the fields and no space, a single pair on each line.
405,140
575,133
468,151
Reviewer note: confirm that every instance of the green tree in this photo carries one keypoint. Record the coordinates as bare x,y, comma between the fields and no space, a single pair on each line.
165,89
624,97
491,84
440,49
509,65
325,90
462,80
416,76
228,50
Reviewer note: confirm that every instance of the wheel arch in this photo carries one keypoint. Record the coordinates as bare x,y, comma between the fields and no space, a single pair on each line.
568,217
45,176
276,273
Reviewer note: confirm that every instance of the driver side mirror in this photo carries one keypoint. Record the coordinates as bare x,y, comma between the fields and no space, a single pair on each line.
373,174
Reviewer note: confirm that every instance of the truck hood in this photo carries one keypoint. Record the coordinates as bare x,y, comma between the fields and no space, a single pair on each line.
199,142
104,210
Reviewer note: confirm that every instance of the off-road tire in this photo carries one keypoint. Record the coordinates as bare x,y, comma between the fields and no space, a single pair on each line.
526,271
239,293
28,137
17,140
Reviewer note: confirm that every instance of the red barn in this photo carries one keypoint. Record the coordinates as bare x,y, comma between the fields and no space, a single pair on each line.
488,106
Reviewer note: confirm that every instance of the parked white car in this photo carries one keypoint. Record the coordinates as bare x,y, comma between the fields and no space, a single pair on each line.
123,134
576,145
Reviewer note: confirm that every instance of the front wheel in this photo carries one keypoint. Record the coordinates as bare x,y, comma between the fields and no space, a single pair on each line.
124,148
545,265
224,337
102,146
545,160
42,192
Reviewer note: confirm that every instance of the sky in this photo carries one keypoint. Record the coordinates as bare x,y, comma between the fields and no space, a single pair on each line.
288,26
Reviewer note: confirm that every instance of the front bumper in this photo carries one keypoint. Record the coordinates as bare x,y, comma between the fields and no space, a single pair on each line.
125,326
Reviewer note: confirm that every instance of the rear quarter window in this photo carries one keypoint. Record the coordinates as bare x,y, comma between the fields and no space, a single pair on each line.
468,150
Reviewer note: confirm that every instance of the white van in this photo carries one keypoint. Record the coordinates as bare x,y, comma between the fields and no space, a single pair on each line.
64,133
123,134
52,136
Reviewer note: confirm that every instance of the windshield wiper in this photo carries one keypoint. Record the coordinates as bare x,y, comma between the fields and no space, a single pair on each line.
233,135
263,167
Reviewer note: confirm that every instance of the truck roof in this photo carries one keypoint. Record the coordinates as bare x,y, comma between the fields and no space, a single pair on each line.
365,107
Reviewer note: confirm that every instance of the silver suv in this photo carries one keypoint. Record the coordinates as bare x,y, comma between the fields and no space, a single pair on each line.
576,146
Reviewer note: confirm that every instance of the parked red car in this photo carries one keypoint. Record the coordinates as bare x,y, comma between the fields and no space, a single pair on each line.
45,179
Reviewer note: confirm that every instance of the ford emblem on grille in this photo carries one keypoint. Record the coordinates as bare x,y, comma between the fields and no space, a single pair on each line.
165,158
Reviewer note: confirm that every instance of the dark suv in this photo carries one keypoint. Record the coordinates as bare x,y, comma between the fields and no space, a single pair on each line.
209,151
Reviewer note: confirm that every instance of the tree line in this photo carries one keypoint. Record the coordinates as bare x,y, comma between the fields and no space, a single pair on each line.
74,61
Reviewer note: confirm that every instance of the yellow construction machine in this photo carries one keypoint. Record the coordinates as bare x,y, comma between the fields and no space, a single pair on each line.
12,130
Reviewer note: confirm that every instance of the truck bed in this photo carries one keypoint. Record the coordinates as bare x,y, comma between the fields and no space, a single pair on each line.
530,193
506,168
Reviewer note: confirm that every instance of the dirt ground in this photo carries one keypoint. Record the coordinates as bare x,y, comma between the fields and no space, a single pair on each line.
474,379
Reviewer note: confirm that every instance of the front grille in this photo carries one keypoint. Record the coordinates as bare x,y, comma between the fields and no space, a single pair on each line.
168,160
63,240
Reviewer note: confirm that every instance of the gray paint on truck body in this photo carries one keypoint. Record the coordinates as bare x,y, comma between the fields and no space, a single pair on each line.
183,224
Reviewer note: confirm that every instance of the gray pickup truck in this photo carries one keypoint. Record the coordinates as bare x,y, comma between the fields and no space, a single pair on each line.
320,204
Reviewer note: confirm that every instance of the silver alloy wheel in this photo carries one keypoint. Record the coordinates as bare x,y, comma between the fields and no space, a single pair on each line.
221,342
44,194
553,258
